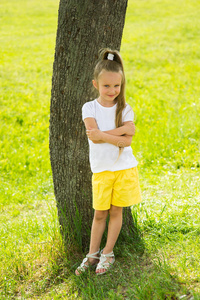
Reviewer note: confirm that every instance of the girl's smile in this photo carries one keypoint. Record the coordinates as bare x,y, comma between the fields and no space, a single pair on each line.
109,86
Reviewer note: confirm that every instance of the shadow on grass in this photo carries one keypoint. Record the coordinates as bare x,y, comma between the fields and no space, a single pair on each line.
133,276
136,274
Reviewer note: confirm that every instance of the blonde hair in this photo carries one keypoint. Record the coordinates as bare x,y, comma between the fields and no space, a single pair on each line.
115,65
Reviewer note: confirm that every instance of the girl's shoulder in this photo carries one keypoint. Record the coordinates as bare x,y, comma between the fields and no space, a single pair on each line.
89,104
127,114
89,110
127,108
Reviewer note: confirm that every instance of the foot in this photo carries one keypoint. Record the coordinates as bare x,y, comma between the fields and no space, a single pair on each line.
89,260
106,261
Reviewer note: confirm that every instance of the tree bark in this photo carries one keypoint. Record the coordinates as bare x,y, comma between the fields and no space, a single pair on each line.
84,27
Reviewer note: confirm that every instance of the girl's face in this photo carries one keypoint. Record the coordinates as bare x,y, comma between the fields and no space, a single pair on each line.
108,85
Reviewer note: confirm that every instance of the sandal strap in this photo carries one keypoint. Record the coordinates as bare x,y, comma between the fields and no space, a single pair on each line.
93,255
111,254
102,263
83,266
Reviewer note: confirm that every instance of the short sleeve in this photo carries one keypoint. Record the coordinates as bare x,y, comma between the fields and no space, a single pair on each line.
127,114
88,110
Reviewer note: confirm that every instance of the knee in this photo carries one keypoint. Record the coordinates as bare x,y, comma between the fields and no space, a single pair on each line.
100,215
115,211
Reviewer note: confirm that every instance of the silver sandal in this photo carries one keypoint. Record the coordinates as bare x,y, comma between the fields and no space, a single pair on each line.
83,266
103,264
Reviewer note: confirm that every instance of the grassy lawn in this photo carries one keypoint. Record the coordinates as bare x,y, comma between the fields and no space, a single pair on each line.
161,50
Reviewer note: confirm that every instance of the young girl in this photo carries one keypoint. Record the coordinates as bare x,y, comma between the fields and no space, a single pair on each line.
109,127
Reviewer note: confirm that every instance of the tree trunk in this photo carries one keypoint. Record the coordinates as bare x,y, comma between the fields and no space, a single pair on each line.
84,27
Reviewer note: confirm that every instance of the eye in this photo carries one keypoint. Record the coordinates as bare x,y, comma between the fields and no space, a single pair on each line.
106,85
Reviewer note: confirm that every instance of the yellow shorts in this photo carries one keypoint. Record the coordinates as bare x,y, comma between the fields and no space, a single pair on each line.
119,188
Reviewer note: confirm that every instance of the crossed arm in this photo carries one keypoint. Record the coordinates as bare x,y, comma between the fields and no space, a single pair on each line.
120,137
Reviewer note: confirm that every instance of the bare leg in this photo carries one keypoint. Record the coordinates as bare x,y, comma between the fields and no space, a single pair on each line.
114,227
98,227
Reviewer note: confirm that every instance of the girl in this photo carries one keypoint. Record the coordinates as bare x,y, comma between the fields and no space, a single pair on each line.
109,127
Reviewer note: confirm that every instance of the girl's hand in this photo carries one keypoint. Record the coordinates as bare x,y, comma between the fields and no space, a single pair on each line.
94,134
130,128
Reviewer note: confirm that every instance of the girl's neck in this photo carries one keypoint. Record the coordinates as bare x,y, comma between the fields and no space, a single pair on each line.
105,103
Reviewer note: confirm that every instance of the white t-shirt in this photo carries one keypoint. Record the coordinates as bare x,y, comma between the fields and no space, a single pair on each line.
104,157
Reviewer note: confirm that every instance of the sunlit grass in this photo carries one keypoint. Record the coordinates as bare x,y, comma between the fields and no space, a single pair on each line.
161,51
27,39
160,48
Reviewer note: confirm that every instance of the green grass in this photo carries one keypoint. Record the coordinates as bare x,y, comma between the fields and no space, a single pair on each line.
160,48
161,51
27,39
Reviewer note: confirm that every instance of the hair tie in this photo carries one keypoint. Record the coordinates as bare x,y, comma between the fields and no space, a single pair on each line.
110,56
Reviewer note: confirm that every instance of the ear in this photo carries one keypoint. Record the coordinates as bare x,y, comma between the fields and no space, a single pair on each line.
95,84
